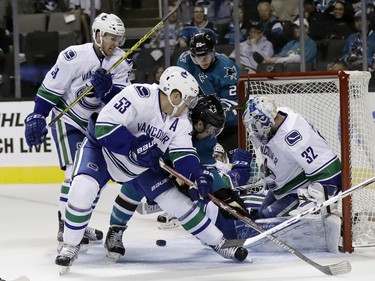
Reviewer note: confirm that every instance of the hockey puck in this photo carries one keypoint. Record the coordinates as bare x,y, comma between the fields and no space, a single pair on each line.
161,242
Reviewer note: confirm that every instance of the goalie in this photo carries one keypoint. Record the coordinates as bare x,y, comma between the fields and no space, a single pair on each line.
299,166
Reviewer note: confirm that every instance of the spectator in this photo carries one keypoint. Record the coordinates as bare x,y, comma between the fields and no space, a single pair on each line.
353,52
219,11
155,74
272,27
315,18
256,43
48,7
185,11
174,30
339,20
251,9
286,9
226,34
199,23
291,51
84,7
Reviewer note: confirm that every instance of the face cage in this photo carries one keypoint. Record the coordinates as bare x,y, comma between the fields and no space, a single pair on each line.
214,131
193,102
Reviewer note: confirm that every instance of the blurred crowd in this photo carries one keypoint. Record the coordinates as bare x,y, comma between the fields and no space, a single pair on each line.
269,30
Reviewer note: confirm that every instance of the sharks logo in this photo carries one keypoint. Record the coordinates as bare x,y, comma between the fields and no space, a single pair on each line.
293,137
231,72
202,76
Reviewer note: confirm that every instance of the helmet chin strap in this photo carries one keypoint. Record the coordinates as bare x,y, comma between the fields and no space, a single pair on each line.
175,107
100,45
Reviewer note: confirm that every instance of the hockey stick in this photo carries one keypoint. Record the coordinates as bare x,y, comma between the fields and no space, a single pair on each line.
116,64
253,186
333,269
314,209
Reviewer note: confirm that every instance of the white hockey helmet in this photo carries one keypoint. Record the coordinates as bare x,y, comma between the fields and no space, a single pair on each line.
108,23
177,78
219,148
259,116
220,154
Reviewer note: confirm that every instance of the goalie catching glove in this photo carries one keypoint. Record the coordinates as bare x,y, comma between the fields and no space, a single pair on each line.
102,83
145,152
35,129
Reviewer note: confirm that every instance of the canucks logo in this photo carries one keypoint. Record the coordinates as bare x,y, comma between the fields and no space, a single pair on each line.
293,137
70,54
142,91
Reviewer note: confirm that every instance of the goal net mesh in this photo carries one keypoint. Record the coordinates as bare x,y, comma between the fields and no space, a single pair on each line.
319,99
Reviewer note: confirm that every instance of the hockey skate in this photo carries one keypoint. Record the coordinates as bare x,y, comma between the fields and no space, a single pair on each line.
94,235
113,243
67,255
235,253
166,221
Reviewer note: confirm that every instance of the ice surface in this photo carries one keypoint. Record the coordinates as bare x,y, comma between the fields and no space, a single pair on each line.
28,225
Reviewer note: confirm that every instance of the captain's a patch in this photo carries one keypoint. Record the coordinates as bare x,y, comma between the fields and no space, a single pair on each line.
293,137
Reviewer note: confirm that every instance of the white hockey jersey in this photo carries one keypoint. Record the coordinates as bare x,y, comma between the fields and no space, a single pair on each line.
137,108
70,77
297,155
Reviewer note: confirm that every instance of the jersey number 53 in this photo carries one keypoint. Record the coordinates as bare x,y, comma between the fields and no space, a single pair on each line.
122,105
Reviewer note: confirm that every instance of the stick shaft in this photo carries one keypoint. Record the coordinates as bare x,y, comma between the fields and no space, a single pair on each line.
316,208
116,64
340,268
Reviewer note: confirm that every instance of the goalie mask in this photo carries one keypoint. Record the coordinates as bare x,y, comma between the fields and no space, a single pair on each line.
259,117
210,112
108,24
177,78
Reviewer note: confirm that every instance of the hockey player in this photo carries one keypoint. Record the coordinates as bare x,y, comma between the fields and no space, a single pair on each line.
208,121
217,75
130,134
299,167
77,68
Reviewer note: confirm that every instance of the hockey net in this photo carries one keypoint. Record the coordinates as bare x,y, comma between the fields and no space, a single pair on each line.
337,104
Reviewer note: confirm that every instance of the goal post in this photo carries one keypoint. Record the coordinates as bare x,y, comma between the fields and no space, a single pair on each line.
337,104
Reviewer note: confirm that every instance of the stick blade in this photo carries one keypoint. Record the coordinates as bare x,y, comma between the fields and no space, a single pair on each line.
21,278
340,268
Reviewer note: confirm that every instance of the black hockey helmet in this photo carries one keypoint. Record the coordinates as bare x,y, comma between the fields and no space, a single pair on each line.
210,111
201,44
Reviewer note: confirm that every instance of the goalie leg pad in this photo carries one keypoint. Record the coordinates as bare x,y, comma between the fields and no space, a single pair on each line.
308,234
332,226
